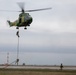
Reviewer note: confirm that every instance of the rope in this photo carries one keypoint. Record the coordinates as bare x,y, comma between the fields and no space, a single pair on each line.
17,47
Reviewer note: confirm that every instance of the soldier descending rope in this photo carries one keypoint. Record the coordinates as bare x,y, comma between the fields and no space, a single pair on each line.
17,33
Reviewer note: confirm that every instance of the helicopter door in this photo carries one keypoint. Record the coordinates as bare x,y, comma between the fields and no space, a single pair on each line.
20,19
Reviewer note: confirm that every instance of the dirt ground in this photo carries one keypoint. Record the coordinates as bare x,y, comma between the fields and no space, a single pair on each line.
35,72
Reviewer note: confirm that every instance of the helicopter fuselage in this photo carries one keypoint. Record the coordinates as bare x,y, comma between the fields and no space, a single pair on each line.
24,20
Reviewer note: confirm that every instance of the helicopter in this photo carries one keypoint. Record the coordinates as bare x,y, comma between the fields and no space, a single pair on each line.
24,18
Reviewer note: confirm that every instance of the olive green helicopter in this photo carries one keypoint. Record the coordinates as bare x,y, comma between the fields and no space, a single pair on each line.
24,19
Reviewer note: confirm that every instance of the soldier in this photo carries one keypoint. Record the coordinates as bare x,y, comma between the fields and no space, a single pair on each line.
61,66
17,33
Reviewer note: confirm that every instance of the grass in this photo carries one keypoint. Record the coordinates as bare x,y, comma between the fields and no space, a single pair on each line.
36,72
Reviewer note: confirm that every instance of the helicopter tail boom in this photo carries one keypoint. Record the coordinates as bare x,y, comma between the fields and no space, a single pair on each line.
10,23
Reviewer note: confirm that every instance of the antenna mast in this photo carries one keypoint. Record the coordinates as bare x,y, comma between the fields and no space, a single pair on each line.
7,58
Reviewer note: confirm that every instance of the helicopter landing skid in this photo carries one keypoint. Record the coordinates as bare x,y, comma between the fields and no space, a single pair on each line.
25,28
17,27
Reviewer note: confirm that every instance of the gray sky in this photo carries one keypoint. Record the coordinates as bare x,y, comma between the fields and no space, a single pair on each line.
52,31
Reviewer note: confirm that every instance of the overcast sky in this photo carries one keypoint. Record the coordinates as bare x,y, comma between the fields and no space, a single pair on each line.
52,31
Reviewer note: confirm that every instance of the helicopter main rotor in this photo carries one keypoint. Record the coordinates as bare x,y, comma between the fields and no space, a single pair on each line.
22,5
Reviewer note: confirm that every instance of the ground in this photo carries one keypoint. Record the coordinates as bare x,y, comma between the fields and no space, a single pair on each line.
36,72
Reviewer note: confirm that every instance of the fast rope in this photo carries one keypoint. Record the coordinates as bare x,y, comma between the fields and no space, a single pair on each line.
17,60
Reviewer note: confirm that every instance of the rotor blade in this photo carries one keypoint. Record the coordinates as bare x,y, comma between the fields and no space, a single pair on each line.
8,11
38,9
26,10
21,5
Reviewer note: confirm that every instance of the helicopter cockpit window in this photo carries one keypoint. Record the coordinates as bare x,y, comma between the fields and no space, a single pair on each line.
27,16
